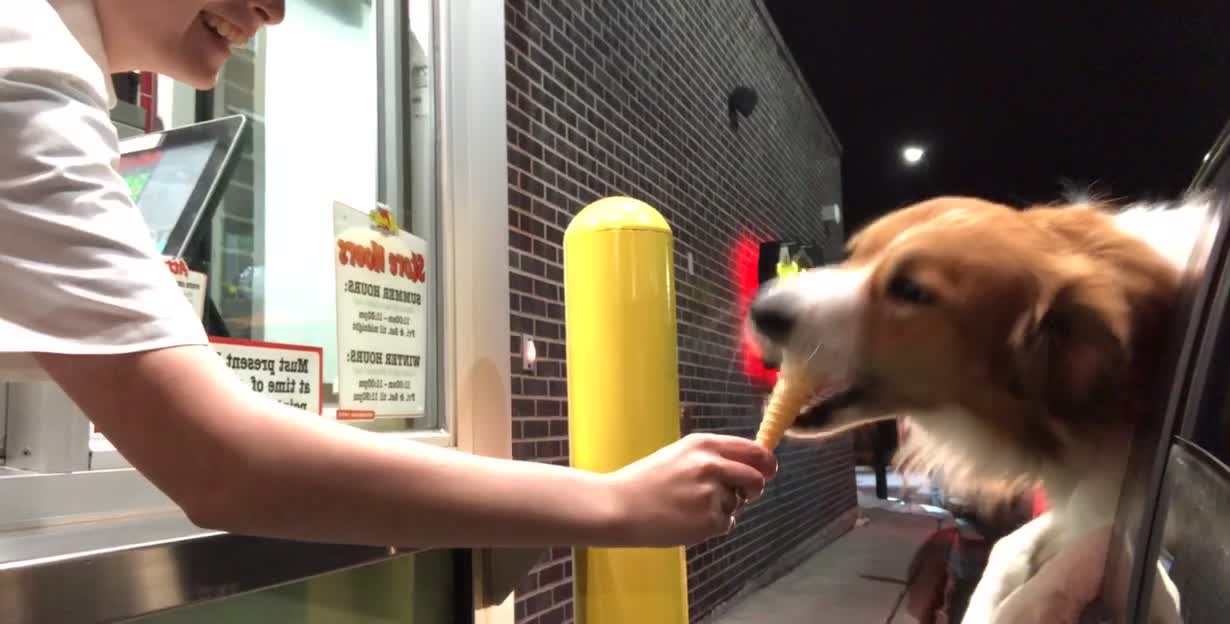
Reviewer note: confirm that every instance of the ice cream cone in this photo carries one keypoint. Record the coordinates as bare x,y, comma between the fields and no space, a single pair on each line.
787,399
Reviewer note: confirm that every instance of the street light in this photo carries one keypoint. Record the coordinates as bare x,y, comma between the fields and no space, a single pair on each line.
912,154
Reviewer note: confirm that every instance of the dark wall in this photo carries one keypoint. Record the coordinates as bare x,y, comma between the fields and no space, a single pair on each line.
610,98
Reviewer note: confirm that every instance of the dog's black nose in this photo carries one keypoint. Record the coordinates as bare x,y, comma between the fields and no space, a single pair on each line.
774,315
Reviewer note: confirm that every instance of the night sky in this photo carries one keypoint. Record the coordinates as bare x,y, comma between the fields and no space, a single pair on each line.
1126,97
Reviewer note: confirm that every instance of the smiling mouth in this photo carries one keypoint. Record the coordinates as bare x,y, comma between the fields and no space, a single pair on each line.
231,33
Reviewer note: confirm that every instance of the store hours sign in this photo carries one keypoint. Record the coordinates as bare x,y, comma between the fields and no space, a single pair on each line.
382,275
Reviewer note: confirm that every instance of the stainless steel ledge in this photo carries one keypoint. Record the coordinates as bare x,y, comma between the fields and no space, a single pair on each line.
108,571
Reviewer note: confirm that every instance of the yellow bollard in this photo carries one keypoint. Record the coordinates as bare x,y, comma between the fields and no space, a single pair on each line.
623,392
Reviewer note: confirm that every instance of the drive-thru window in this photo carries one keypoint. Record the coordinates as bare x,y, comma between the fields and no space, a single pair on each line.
263,193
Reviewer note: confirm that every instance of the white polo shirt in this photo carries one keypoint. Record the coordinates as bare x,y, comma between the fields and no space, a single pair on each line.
79,272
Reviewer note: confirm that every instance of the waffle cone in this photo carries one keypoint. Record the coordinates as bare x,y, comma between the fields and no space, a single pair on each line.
788,397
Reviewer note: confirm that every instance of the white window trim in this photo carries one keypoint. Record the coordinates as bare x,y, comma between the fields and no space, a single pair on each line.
474,386
477,388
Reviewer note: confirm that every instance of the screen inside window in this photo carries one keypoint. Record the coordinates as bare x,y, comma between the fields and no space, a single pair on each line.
161,182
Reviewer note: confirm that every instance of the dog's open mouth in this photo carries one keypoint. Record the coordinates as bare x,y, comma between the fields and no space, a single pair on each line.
821,412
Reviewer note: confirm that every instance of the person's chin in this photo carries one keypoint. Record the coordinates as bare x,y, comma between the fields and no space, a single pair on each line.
201,76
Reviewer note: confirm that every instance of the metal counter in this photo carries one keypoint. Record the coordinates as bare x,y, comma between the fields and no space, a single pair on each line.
163,562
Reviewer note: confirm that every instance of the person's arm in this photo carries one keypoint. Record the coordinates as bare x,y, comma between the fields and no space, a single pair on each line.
238,462
80,275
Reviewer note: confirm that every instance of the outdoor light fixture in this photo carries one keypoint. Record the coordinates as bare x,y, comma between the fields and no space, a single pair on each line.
912,154
741,101
529,353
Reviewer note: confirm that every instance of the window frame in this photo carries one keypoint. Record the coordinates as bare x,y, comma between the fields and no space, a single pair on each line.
472,384
1203,398
392,26
1141,519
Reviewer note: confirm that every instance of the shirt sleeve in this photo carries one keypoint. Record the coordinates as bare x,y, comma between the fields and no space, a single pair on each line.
79,273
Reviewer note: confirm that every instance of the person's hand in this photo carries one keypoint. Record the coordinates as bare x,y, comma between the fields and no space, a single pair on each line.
689,491
1059,592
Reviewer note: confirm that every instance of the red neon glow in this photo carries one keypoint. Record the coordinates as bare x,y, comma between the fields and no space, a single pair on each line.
1040,502
744,268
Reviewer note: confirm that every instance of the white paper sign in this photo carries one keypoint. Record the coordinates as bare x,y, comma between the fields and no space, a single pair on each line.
289,374
381,322
192,283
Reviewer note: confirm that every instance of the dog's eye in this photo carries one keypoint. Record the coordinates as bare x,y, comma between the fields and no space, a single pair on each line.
906,290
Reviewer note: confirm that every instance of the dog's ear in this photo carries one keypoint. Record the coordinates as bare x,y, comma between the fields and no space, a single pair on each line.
1072,346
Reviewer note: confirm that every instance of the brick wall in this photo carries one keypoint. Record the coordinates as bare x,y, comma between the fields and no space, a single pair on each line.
630,98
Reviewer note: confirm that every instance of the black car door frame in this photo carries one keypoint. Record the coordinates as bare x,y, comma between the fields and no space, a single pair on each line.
1207,329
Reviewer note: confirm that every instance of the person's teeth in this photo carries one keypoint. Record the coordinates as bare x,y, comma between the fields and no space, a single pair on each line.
224,29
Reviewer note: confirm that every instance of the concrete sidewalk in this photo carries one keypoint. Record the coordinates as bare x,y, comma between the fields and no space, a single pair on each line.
860,578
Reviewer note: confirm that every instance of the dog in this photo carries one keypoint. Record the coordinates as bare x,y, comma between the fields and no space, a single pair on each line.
1024,346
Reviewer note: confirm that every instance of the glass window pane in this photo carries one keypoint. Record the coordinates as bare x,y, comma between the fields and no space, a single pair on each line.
316,89
340,106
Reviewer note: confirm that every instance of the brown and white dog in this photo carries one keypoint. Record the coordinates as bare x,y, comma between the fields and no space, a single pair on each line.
1023,345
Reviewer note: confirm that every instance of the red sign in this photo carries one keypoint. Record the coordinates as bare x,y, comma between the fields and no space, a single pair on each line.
289,374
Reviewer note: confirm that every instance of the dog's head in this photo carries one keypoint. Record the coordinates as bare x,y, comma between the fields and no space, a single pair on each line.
1003,334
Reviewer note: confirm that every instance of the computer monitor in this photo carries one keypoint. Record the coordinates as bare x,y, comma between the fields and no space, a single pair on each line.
177,176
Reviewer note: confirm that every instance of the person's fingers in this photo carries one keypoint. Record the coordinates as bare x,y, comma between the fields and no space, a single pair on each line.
721,524
747,452
729,501
726,511
742,501
742,477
